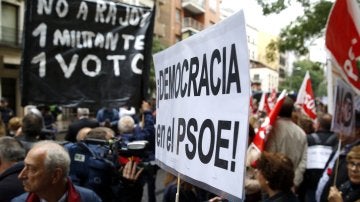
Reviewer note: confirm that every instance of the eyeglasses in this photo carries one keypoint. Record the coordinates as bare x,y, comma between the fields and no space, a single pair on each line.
352,165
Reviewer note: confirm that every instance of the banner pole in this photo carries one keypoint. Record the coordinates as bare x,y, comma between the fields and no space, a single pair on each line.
330,87
178,188
337,163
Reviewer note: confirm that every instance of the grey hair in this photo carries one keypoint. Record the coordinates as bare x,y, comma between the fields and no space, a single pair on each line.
11,150
83,112
126,124
56,156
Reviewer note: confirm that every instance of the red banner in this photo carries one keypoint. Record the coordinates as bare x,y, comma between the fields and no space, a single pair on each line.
343,41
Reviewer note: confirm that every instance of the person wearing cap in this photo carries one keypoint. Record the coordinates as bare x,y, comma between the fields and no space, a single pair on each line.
82,121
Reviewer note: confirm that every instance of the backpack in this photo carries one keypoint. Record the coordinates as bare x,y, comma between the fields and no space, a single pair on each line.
90,168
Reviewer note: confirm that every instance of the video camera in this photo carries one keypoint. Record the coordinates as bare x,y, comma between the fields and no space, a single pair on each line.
120,152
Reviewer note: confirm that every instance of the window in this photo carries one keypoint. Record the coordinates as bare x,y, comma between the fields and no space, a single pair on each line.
9,28
256,77
282,61
178,16
212,5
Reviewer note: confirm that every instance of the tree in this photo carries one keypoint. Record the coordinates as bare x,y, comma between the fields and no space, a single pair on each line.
293,81
156,47
299,33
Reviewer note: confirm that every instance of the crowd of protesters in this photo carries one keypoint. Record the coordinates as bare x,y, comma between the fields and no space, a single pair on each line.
31,166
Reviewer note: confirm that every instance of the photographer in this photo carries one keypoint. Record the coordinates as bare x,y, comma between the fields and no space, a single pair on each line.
94,166
130,132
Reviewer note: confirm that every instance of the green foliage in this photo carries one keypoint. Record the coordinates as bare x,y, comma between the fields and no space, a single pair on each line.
293,82
156,47
310,26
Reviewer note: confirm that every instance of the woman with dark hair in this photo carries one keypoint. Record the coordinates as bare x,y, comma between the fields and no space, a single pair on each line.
275,173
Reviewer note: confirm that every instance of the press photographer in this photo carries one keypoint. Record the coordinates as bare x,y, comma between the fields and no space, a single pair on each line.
145,131
94,165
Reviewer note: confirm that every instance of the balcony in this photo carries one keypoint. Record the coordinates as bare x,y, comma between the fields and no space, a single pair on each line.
10,36
189,24
194,6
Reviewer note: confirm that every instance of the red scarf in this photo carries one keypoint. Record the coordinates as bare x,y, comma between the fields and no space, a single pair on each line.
73,195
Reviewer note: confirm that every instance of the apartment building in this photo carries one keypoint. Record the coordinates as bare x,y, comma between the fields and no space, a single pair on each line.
11,25
179,19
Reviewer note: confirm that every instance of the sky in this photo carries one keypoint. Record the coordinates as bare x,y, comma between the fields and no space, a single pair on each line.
274,22
271,23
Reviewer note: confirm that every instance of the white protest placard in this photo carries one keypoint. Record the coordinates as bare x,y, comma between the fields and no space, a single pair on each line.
203,94
344,116
317,156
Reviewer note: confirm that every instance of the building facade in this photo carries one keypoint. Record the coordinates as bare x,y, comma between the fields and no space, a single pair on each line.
179,19
11,23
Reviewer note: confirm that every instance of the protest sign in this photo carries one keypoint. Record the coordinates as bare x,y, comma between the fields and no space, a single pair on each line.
344,116
342,40
317,156
203,94
85,52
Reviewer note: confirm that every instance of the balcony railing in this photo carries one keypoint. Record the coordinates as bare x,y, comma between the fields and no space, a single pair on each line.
191,24
194,6
10,36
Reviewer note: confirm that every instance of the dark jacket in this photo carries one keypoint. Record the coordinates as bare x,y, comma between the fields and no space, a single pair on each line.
350,192
10,184
324,138
283,197
342,174
77,125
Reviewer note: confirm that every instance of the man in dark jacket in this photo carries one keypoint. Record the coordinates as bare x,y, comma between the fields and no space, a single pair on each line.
45,176
323,141
11,155
82,122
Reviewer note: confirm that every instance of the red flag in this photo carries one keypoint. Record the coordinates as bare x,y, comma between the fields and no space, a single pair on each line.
263,104
272,100
266,104
257,146
305,98
343,39
251,105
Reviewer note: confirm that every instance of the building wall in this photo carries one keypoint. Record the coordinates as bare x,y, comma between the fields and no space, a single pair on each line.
171,15
10,51
252,42
268,77
263,41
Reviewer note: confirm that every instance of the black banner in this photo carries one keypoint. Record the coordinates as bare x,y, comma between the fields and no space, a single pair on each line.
86,53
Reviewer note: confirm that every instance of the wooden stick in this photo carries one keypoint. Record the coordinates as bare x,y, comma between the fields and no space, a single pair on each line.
178,188
337,163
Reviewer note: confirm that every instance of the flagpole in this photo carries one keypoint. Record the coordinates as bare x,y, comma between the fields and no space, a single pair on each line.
178,188
330,92
337,163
